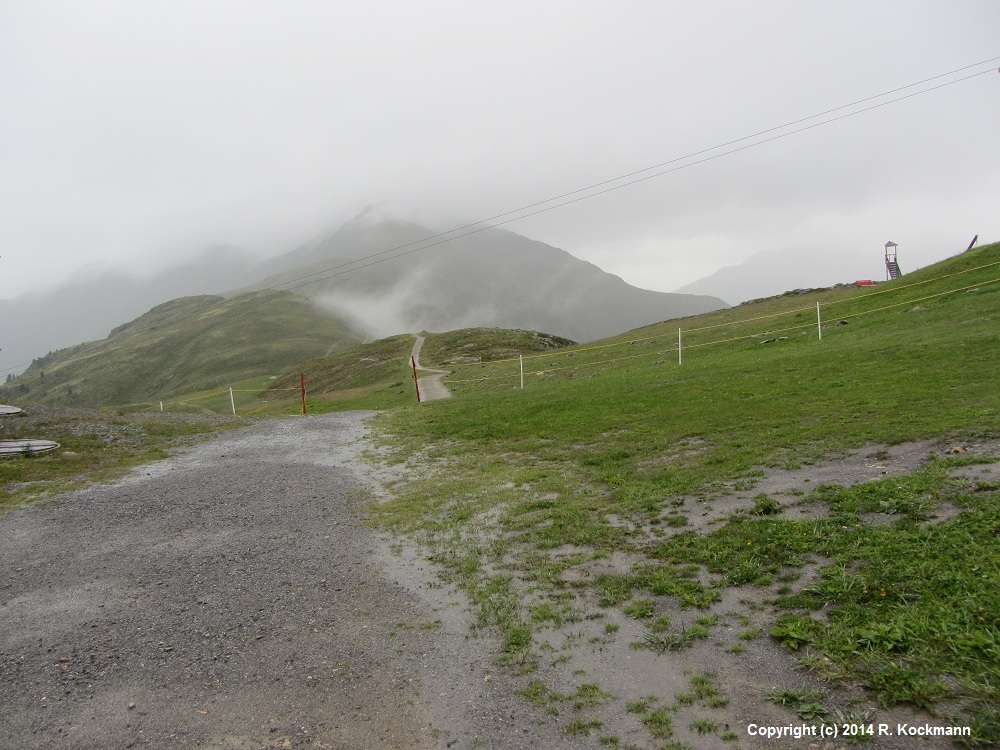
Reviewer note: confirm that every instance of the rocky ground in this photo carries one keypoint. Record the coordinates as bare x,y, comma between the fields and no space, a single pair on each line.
230,598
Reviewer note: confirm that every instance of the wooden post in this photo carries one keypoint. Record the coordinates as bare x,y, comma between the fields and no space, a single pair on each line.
416,383
302,383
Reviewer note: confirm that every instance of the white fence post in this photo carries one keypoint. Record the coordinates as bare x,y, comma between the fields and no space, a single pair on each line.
521,358
680,359
819,323
232,401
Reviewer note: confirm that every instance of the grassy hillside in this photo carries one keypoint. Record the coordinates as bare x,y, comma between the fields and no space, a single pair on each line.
185,345
378,375
368,376
476,345
615,452
493,278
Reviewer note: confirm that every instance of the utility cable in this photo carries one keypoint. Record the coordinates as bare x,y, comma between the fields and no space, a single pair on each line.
443,238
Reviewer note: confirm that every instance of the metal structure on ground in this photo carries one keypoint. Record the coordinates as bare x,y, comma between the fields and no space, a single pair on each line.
891,265
22,447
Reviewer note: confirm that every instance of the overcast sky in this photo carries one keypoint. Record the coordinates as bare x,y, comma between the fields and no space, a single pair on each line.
137,133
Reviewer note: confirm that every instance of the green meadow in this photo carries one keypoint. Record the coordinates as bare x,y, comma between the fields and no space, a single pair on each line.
607,446
565,487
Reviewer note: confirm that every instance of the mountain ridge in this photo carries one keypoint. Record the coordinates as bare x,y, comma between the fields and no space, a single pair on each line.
92,305
354,288
487,278
182,346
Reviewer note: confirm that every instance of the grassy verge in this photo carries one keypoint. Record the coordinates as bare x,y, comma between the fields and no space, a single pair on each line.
94,446
378,375
476,345
607,448
370,376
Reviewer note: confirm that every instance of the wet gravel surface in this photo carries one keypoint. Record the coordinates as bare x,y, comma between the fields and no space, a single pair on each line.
230,598
432,388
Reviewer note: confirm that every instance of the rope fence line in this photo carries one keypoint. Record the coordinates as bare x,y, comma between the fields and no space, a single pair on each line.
582,349
738,338
922,299
198,398
227,392
748,320
741,321
866,295
748,336
920,283
224,392
648,354
563,367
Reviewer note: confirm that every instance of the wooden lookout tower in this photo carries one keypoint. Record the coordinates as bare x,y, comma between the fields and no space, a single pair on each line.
891,266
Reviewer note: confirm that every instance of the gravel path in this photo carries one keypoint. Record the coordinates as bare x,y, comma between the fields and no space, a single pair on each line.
230,598
431,387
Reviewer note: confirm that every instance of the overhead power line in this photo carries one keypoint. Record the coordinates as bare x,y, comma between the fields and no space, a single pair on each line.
607,186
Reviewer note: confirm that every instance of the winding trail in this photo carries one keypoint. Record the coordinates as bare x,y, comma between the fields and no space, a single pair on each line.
431,387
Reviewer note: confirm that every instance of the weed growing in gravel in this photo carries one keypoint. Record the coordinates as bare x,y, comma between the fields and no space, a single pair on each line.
639,609
666,640
704,725
805,703
704,691
579,726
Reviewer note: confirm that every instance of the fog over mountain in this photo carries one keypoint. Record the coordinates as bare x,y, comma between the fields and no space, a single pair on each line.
493,278
657,140
489,278
88,307
772,272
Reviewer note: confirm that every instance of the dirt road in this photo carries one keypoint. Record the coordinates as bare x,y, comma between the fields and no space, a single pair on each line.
229,598
431,387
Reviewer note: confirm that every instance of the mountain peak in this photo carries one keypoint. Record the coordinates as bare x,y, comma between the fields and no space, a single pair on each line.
493,278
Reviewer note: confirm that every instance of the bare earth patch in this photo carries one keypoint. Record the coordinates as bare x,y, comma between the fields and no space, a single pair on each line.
609,649
230,598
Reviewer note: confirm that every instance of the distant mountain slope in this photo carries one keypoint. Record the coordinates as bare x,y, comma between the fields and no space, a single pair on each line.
187,344
772,272
491,279
92,304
